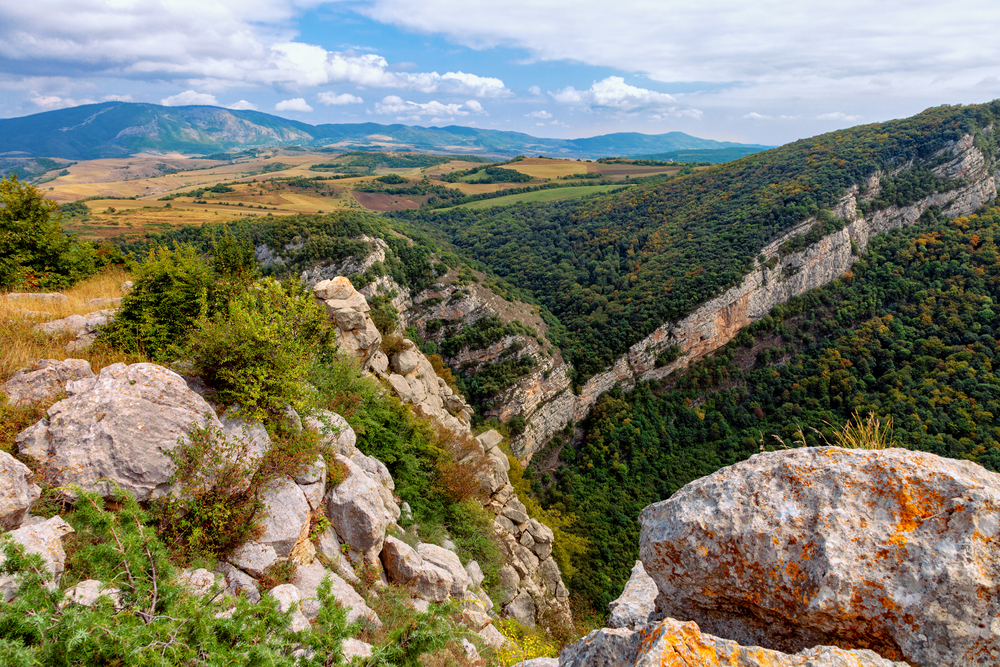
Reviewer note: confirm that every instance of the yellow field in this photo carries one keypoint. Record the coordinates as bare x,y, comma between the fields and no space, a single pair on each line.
537,167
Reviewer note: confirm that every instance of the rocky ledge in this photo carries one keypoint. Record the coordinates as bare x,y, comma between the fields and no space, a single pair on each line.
815,556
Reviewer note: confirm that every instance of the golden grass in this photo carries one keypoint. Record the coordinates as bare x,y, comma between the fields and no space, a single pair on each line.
865,433
22,345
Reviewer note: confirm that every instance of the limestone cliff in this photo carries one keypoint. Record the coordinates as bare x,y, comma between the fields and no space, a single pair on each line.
775,281
533,586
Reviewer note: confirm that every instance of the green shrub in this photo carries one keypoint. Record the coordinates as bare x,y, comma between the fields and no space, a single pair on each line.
172,288
257,348
34,251
159,623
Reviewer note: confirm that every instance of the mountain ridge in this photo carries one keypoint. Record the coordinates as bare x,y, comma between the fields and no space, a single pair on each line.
118,129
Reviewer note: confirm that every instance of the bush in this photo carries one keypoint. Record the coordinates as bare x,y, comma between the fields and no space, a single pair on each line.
34,251
171,289
159,623
257,350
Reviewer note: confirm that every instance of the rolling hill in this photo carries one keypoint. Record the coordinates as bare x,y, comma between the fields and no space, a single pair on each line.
118,129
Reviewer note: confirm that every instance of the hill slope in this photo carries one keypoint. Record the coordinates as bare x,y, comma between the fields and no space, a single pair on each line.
116,129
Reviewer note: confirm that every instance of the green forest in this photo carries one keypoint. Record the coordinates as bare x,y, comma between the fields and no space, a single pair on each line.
612,268
910,333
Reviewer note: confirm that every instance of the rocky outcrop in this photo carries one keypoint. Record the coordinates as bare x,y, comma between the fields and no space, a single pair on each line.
672,643
356,333
84,328
448,305
893,551
354,510
17,491
718,320
636,606
44,380
117,428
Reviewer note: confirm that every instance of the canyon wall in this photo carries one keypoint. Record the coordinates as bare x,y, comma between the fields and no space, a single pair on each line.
717,321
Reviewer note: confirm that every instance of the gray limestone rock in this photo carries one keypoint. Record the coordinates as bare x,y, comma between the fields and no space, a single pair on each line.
509,583
475,573
120,426
522,607
254,557
672,642
199,582
328,544
286,514
308,579
450,563
17,491
889,550
44,539
238,582
288,597
637,603
44,380
355,648
357,513
87,593
50,297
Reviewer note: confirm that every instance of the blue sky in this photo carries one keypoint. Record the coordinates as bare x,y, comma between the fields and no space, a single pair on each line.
765,72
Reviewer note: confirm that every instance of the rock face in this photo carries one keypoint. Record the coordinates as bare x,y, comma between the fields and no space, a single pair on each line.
120,426
44,380
17,491
357,512
718,320
672,643
636,605
356,333
895,551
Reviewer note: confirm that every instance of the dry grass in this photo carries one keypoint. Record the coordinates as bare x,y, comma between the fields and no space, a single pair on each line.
22,345
865,433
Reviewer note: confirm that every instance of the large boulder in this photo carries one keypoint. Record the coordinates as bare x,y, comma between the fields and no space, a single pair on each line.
44,380
405,566
672,643
357,512
893,550
17,491
637,603
118,428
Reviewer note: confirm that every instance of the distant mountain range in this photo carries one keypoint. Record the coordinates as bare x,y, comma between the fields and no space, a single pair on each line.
118,129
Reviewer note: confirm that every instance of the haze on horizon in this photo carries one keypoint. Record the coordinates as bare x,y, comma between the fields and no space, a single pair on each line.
767,73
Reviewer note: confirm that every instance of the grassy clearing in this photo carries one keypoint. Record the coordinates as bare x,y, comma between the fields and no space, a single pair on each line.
549,168
558,194
22,345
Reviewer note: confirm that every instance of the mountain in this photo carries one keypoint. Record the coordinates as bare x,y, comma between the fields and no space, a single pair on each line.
117,129
713,155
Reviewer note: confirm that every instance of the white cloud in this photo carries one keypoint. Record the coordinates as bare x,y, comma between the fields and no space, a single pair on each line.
393,105
538,114
116,98
188,98
837,115
535,90
51,102
211,45
333,99
753,115
295,104
614,93
243,105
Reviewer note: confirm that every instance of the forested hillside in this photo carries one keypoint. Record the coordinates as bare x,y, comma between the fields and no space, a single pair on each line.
910,334
615,267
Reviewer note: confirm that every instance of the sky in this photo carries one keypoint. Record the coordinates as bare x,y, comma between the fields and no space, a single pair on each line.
752,71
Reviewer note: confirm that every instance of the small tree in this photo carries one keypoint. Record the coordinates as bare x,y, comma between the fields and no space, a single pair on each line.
34,251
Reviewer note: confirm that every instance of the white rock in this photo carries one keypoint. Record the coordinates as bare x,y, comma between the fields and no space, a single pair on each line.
288,597
17,491
285,516
44,539
637,603
357,513
44,380
86,593
254,557
355,648
121,426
